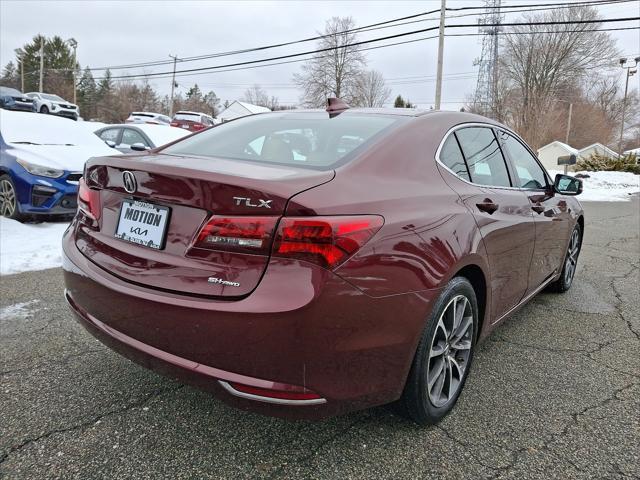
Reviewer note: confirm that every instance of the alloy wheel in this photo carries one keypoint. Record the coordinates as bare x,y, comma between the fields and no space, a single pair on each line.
450,350
572,257
7,198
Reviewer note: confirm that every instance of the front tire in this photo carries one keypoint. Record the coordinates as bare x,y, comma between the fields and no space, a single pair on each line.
570,262
44,109
8,199
444,355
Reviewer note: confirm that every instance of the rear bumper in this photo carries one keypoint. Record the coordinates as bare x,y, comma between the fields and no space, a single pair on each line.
302,327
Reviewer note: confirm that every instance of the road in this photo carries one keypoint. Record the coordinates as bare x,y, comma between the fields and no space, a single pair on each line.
554,393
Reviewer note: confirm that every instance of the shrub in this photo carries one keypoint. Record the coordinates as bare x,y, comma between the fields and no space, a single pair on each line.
596,162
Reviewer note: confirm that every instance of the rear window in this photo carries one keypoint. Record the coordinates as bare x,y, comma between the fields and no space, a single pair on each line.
141,114
302,139
187,116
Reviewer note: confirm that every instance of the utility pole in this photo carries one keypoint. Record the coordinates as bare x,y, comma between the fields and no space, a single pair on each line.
630,71
566,139
74,45
22,73
443,9
41,61
173,83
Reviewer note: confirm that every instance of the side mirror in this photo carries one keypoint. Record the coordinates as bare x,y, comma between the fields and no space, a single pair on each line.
111,143
567,185
139,147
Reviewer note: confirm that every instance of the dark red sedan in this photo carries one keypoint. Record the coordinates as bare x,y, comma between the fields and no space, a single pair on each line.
309,263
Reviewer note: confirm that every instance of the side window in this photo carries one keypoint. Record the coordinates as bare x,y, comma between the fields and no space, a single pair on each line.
528,170
452,157
130,136
110,134
484,158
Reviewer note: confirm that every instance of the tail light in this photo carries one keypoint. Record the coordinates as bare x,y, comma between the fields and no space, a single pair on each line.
198,126
88,200
326,241
238,234
174,124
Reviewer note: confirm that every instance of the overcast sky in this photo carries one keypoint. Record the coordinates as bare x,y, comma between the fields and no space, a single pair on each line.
126,32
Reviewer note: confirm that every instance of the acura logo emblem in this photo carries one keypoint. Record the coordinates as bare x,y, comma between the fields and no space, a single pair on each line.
129,181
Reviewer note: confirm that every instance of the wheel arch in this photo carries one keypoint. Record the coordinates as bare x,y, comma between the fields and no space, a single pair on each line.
476,276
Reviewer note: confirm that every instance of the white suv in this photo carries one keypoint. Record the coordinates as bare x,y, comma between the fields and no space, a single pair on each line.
49,103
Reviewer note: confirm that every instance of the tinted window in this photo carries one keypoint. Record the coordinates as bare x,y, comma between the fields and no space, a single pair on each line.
130,136
484,158
452,157
110,134
302,139
528,170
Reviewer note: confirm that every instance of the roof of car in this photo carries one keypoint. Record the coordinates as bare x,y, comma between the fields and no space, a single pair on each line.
192,113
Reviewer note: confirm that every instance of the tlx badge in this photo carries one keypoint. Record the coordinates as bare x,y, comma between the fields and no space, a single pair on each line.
248,202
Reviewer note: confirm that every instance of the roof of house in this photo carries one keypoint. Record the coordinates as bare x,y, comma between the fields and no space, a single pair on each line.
599,145
251,108
561,145
633,151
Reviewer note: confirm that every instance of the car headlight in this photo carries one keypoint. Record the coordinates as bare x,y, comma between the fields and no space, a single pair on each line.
40,170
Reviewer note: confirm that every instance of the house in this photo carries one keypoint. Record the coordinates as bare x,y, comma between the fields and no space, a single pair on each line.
597,149
549,154
240,109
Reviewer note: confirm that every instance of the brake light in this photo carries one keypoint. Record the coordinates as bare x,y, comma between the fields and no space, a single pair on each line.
197,126
88,200
238,234
174,124
326,241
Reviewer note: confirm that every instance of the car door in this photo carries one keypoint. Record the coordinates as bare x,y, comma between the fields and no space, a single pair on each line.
129,137
501,211
552,215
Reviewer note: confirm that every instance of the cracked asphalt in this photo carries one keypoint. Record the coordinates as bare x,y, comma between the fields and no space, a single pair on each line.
554,393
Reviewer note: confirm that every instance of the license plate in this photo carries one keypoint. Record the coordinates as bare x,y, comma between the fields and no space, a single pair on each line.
143,223
185,126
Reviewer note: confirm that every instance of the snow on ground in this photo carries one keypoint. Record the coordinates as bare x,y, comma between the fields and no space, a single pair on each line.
26,247
606,186
18,310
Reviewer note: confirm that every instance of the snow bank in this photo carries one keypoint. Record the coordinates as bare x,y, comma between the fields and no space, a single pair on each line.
25,247
606,186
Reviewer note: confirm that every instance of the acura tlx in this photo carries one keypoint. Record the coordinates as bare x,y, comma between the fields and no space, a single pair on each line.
304,264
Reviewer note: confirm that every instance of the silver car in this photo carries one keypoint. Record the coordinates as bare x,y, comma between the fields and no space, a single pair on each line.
148,117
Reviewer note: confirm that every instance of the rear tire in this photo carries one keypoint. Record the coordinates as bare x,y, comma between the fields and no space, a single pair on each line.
570,262
9,200
444,355
44,109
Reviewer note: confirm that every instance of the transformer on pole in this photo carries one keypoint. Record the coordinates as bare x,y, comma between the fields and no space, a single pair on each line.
485,98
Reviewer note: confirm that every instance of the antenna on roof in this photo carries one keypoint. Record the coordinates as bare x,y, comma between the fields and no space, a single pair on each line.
335,106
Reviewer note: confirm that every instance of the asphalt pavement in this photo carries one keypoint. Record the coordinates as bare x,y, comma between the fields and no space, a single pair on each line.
554,393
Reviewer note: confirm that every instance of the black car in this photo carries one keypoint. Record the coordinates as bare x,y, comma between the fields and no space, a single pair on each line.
12,99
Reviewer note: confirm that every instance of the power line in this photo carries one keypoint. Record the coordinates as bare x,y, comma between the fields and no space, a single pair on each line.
370,27
365,42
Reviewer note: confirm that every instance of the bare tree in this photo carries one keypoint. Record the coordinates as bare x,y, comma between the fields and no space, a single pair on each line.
370,90
537,67
257,96
333,72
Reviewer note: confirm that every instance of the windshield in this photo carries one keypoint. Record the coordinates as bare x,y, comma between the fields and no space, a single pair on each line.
302,139
55,98
36,129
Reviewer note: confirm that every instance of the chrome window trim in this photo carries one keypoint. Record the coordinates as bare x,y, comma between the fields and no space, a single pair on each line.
259,398
493,127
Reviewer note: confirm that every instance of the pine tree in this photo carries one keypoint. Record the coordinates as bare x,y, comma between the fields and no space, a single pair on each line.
87,95
399,102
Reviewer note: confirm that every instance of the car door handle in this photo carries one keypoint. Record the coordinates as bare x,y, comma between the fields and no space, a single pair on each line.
487,206
538,208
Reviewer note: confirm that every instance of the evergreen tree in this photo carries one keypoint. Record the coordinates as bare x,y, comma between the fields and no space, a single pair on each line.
58,66
87,95
399,102
10,76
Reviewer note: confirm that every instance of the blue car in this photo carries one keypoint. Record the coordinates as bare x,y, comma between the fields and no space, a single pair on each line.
41,160
12,99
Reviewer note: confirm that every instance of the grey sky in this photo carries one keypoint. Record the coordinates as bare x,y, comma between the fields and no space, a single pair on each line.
125,32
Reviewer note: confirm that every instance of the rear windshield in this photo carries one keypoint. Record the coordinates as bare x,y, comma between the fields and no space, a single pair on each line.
194,117
142,114
302,139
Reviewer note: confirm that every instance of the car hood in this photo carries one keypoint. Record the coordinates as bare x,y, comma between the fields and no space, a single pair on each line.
63,157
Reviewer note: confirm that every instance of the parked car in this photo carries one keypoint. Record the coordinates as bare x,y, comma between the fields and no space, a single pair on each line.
148,117
305,264
12,99
41,161
139,137
49,103
192,121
